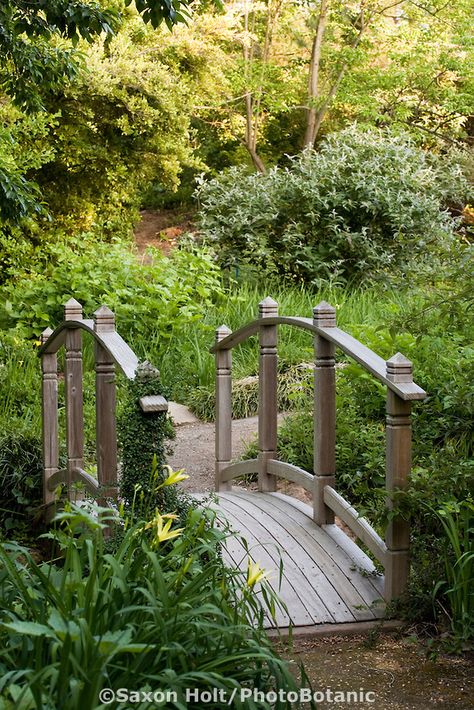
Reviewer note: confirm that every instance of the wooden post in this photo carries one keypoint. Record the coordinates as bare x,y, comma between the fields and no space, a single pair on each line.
223,410
105,401
324,416
73,390
267,395
49,416
398,467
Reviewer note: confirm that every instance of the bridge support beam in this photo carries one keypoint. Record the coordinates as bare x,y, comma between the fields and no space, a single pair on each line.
105,400
223,410
398,468
73,392
324,417
267,395
49,365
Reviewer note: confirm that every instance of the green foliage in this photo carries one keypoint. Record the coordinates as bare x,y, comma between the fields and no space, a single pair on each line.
142,439
457,520
161,613
33,64
21,479
156,297
293,384
363,206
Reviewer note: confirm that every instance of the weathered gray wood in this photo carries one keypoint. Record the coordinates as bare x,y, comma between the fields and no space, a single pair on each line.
78,475
303,606
324,418
239,468
346,592
120,352
359,526
398,468
105,404
153,403
223,411
291,473
308,582
73,391
49,417
340,555
360,561
267,394
352,347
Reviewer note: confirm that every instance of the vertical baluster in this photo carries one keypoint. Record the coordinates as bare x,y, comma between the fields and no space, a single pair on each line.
398,468
324,316
49,415
267,395
223,410
73,390
105,402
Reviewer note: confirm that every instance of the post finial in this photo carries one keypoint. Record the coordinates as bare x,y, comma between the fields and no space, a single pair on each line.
267,308
324,315
72,310
45,335
399,369
104,320
222,332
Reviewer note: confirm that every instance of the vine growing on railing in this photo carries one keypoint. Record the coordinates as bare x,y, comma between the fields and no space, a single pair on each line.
144,437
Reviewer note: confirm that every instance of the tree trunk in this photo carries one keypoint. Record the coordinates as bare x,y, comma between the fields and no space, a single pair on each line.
313,82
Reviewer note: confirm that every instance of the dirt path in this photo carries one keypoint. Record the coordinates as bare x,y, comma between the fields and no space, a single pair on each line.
161,229
194,451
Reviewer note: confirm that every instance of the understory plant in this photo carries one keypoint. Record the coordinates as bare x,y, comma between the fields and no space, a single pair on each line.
162,613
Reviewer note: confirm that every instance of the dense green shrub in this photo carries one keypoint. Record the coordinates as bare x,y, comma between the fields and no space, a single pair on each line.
162,613
142,439
366,205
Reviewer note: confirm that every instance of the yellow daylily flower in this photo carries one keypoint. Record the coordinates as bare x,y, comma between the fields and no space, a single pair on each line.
161,528
255,573
174,476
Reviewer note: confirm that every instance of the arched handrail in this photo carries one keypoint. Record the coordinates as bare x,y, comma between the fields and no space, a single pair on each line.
110,351
114,345
372,362
395,374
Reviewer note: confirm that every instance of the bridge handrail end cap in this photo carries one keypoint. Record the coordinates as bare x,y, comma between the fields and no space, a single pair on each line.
72,310
399,360
268,301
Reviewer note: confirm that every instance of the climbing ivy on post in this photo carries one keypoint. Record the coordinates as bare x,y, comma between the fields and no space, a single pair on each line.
143,436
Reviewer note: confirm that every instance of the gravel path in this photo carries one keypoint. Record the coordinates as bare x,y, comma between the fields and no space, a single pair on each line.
194,450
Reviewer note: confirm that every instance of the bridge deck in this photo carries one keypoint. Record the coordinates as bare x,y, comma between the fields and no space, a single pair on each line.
326,577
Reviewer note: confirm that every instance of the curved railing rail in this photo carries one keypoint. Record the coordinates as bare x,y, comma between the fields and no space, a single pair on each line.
395,374
110,351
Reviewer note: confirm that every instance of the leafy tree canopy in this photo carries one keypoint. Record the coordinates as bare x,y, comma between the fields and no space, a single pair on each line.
37,58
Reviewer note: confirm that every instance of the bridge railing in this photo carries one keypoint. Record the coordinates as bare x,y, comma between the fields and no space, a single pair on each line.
396,374
110,351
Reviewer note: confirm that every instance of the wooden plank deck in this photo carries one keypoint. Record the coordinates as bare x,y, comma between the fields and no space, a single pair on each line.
327,578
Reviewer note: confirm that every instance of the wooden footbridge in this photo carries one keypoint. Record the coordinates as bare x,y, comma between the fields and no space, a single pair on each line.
327,577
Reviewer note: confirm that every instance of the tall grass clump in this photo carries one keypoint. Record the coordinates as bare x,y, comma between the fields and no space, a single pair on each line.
455,594
162,613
